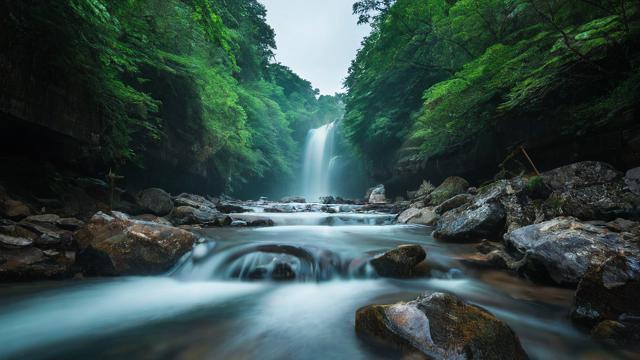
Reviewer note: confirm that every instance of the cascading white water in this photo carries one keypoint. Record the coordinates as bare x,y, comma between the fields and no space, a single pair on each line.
317,156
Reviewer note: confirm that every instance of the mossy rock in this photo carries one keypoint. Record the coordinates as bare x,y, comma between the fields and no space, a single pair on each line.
449,188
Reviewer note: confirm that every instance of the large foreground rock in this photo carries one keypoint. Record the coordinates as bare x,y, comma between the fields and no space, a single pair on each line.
439,326
563,249
399,262
117,245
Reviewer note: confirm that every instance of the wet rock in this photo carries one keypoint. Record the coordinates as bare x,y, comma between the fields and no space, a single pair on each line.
152,218
231,209
399,262
439,326
449,188
424,216
632,180
377,195
13,209
624,226
563,249
453,203
615,333
115,245
261,222
238,223
71,224
195,201
48,233
30,263
482,218
609,291
282,271
187,215
156,201
277,209
44,219
293,199
11,242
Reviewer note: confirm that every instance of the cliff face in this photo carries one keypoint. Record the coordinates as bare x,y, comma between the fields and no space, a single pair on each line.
48,118
617,143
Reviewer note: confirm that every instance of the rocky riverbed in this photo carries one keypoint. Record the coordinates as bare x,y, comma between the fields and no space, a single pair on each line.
574,228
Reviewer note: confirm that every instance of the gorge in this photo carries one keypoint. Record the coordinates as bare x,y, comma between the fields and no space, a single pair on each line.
170,190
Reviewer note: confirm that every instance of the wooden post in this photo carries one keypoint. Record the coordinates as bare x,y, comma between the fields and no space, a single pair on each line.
529,159
112,184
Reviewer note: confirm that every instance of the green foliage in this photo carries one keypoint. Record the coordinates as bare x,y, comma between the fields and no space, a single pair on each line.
196,72
433,74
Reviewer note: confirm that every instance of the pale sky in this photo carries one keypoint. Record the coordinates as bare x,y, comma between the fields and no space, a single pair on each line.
317,39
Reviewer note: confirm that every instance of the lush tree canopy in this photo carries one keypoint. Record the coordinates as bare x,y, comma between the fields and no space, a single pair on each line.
433,73
201,69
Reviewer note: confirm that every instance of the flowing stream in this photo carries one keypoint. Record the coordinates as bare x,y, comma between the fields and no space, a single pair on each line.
222,301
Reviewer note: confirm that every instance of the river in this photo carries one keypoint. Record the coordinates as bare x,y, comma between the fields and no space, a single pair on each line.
211,307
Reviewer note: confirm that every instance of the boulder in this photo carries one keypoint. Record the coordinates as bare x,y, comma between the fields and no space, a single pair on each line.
592,190
620,334
261,222
13,209
156,201
609,291
30,263
599,202
71,224
563,249
194,201
48,234
449,188
377,195
187,215
482,218
293,199
231,209
632,180
453,203
12,242
424,216
117,245
439,326
579,175
399,262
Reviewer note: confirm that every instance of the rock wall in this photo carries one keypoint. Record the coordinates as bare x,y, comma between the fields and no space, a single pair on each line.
43,118
618,143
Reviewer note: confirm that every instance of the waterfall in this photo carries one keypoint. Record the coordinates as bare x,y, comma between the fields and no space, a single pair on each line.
317,157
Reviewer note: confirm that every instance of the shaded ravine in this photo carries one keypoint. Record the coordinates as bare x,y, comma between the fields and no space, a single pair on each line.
205,309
